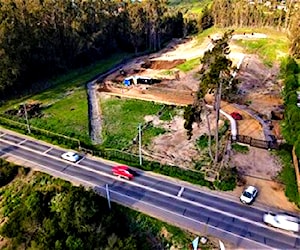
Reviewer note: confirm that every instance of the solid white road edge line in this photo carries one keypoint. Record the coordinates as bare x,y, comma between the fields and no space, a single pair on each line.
89,183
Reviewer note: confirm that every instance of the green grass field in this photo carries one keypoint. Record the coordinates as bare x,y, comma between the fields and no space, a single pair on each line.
121,118
189,65
65,104
190,6
271,49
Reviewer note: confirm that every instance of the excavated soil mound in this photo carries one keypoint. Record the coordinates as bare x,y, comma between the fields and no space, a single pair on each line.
162,64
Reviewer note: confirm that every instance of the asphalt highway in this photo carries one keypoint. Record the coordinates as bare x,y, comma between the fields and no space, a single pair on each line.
181,204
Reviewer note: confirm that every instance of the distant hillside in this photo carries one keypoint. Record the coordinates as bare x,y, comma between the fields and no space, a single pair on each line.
190,6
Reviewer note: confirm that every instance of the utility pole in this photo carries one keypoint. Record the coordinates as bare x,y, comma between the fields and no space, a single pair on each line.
108,197
140,144
26,118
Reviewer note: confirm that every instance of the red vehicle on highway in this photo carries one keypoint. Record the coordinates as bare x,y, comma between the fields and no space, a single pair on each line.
124,172
236,116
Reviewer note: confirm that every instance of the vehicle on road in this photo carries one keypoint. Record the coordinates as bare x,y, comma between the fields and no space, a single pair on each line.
282,221
124,172
249,195
236,116
70,156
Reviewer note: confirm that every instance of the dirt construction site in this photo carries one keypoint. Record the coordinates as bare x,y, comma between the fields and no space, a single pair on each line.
259,96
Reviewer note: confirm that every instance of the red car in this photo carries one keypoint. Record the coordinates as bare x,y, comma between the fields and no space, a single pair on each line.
123,171
236,116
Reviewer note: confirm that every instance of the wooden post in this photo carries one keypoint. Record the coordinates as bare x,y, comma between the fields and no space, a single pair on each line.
296,165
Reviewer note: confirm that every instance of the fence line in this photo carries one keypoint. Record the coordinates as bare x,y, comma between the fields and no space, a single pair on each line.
37,131
256,142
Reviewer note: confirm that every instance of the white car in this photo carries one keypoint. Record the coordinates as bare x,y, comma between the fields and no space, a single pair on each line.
70,156
248,195
282,221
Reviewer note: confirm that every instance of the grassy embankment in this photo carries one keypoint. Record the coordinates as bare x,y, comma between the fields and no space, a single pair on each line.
65,104
270,50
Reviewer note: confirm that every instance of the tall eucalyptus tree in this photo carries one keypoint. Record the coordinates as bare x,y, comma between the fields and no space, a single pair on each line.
215,76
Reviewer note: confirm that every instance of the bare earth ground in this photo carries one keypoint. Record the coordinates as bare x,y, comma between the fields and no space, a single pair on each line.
259,89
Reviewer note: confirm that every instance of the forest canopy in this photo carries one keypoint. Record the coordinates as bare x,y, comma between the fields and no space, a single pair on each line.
39,39
43,38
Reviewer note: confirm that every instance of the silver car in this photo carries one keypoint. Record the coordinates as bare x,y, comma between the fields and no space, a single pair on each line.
70,156
282,221
249,195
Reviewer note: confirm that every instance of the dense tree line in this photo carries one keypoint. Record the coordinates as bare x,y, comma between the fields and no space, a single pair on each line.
291,125
257,14
41,38
47,213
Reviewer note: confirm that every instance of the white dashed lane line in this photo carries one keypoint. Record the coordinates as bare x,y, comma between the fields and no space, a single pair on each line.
180,192
21,142
79,160
45,152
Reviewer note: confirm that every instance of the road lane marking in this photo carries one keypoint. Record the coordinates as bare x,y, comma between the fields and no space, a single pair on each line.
80,160
2,134
180,192
45,152
148,188
21,142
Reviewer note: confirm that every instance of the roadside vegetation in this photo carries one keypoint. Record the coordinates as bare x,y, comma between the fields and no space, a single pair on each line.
42,212
288,175
290,127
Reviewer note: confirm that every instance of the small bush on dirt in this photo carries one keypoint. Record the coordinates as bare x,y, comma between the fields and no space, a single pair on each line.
240,148
151,132
224,128
202,141
168,113
227,179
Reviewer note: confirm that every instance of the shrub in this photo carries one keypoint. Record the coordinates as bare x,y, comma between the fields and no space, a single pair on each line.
202,141
240,148
288,176
7,172
227,179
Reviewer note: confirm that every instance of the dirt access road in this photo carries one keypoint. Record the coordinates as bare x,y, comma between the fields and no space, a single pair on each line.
259,89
